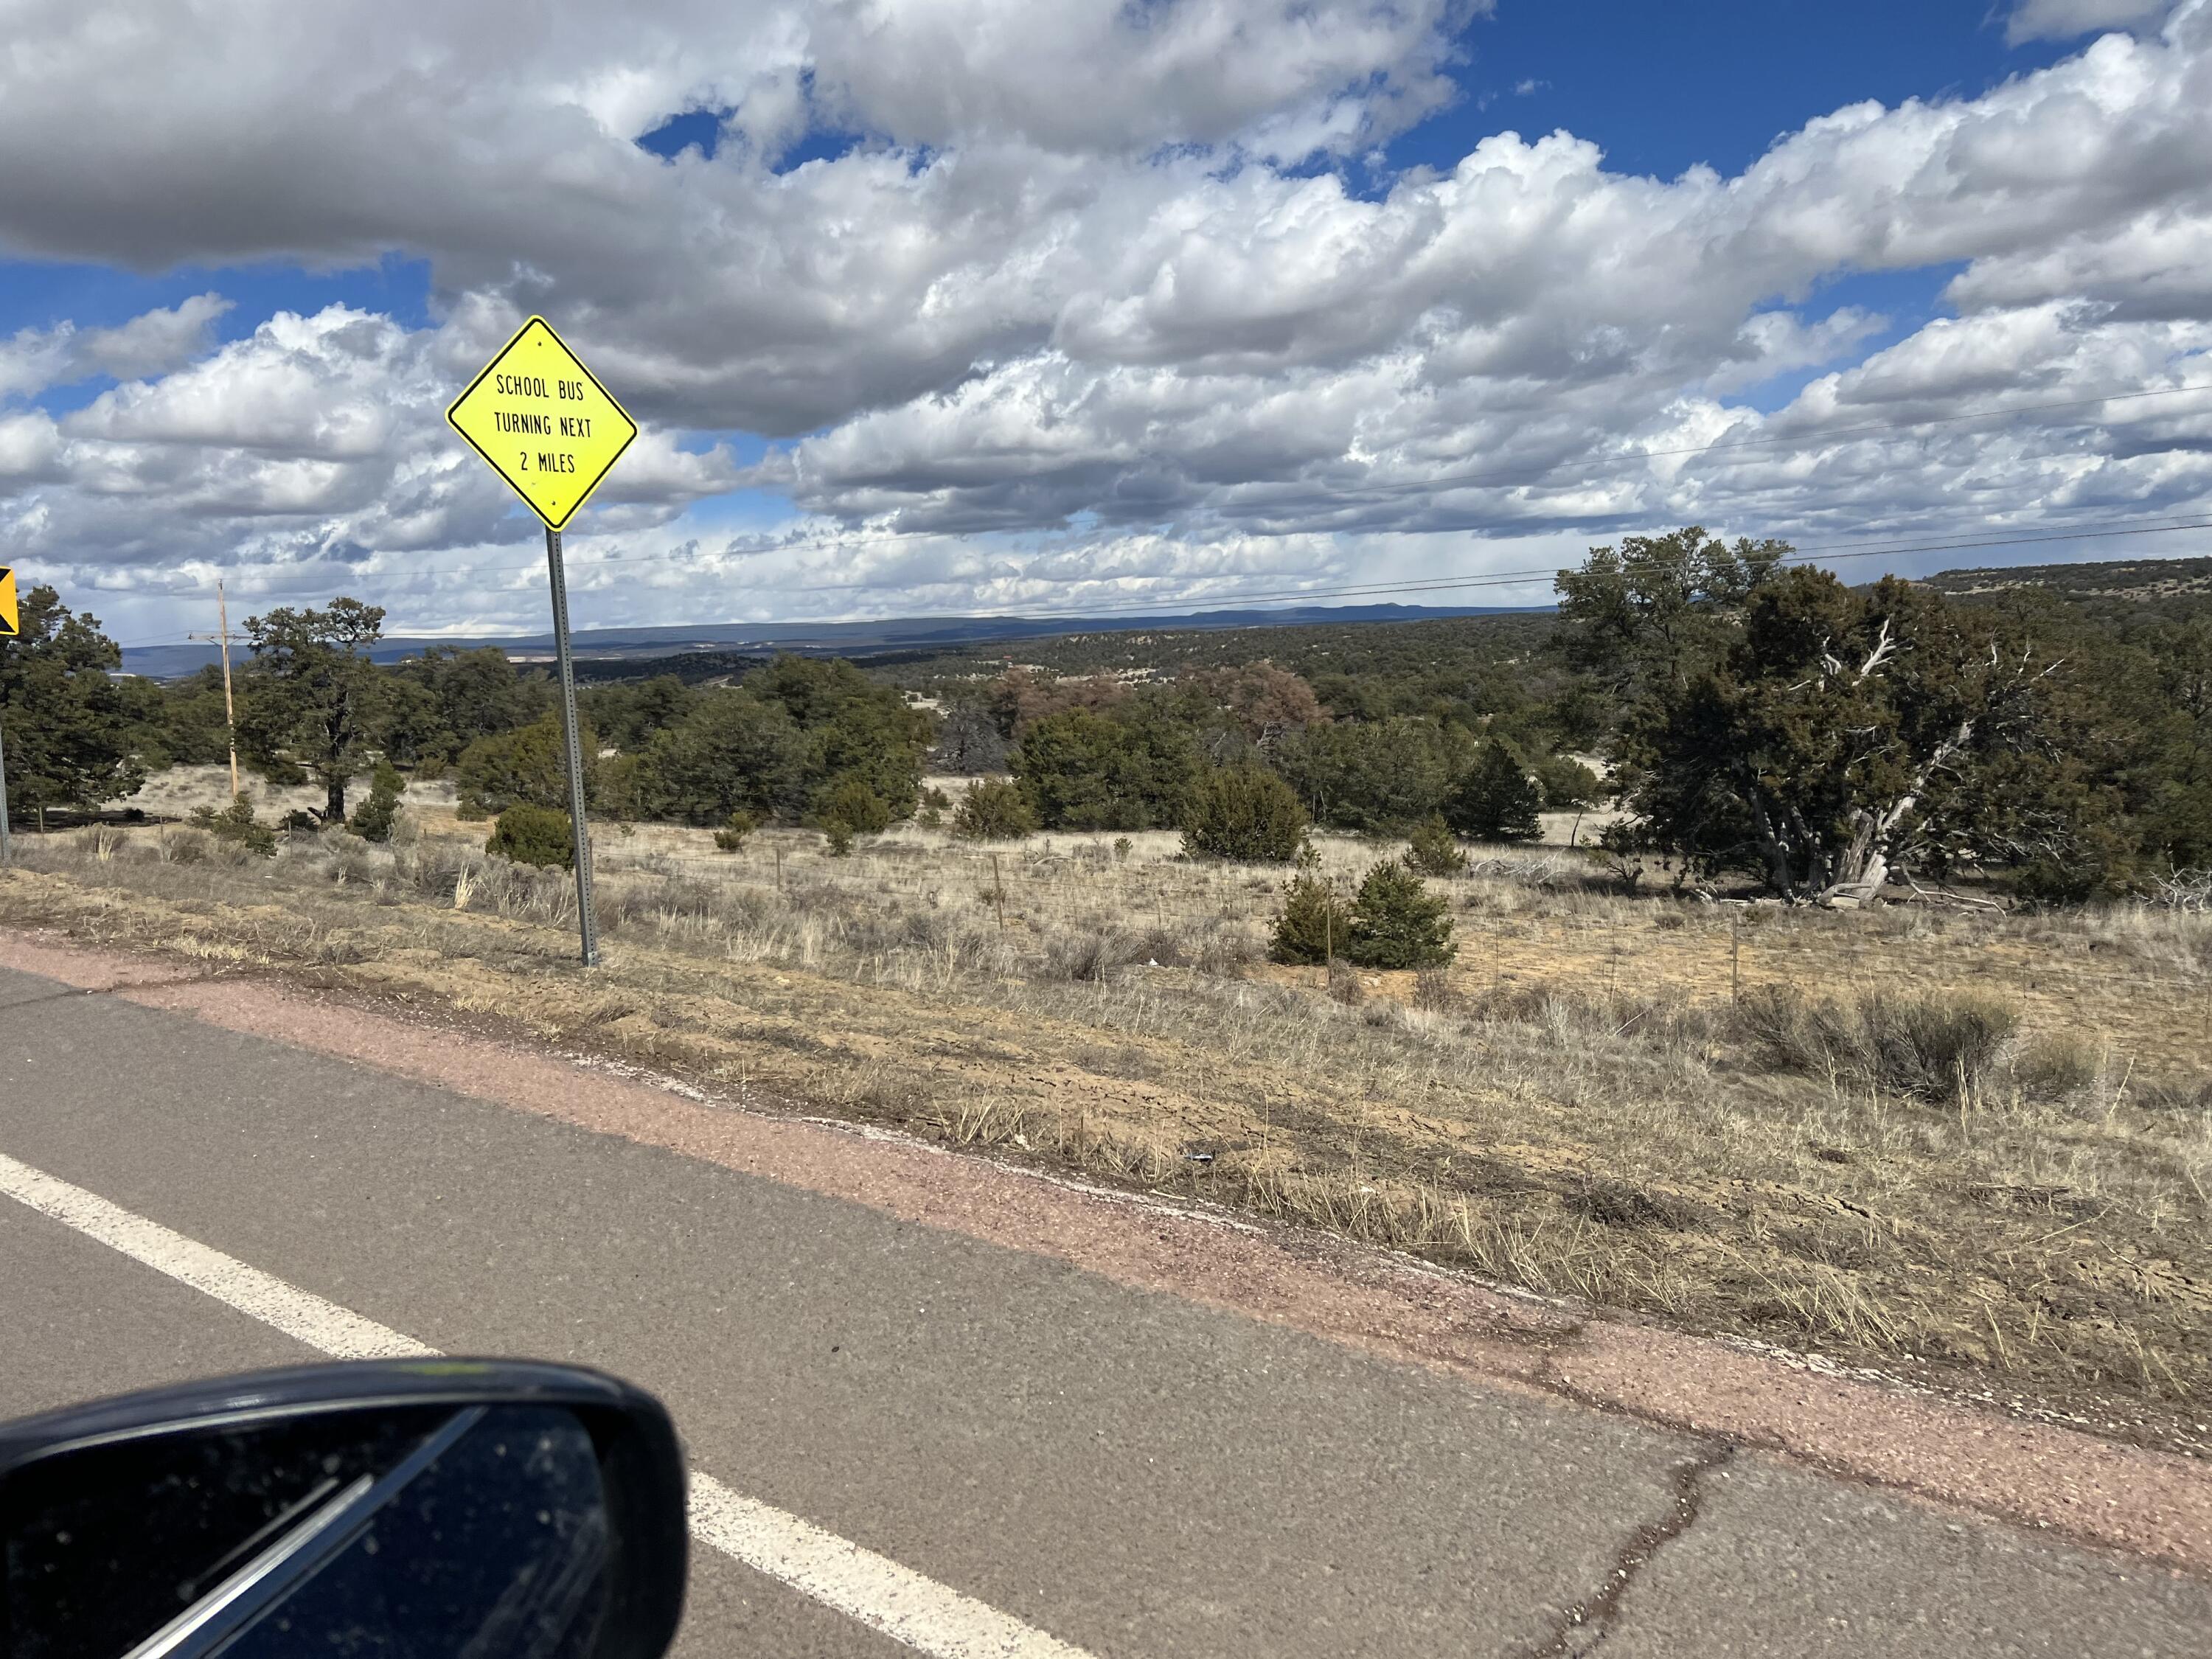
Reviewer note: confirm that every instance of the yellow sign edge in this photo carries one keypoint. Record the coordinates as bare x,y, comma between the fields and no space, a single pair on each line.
11,626
586,493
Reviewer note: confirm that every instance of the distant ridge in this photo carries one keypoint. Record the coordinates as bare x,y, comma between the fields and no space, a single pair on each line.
2145,579
838,639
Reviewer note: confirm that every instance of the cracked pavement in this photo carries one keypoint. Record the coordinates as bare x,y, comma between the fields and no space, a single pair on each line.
1134,1471
1587,1624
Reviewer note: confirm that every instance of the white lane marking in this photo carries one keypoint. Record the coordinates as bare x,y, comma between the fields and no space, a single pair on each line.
878,1592
924,1615
297,1313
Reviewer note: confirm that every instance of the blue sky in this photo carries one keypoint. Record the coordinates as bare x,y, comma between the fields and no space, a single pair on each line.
41,293
1663,88
1713,83
1095,310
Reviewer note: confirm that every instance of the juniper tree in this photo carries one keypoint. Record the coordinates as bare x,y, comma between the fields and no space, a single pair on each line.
66,723
1433,850
1396,922
533,835
1243,812
856,807
994,810
375,818
310,694
1314,924
1843,734
1495,800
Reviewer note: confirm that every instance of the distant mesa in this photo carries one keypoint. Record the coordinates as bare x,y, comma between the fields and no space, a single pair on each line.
2143,581
829,638
2120,579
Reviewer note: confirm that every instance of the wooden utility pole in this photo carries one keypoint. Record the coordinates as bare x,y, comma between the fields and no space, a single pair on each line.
5,850
221,636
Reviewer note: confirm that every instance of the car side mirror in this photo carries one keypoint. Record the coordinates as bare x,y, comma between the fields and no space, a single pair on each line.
498,1509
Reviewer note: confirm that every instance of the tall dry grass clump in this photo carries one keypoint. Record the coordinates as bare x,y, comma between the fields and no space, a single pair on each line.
1929,1046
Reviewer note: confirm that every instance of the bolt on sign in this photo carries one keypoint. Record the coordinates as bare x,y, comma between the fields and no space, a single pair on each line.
11,617
544,421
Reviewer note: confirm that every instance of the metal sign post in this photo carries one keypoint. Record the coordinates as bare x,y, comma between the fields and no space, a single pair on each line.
572,745
542,421
4,852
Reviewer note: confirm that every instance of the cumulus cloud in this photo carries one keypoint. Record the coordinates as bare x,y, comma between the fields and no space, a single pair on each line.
314,439
29,445
356,122
1086,306
1281,350
153,343
1284,76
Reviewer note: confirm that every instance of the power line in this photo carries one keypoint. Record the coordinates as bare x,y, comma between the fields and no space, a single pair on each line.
1518,577
1458,480
1831,553
1800,555
2150,524
1441,482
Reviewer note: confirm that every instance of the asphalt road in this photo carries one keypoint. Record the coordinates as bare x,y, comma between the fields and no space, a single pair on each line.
1126,1471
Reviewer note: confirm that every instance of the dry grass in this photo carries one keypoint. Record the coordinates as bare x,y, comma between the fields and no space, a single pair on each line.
1976,1148
181,790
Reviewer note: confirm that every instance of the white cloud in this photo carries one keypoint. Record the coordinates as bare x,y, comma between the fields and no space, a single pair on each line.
1277,351
154,342
1087,75
151,344
314,438
1775,343
34,359
29,446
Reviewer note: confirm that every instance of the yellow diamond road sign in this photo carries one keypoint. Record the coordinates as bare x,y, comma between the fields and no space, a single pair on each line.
543,422
11,621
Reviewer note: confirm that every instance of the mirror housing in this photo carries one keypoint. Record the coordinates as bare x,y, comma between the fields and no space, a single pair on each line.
511,1510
